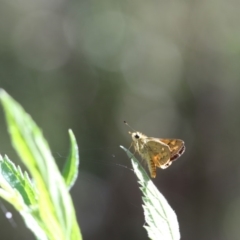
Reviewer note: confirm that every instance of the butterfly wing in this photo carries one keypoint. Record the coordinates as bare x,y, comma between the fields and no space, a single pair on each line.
176,146
158,154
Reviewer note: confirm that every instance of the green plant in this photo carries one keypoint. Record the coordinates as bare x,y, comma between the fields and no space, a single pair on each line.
161,220
44,202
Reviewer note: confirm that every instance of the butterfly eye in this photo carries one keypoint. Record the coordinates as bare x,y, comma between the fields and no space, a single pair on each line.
136,136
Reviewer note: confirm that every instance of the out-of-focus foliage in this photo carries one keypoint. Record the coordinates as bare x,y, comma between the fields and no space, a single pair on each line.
45,203
170,68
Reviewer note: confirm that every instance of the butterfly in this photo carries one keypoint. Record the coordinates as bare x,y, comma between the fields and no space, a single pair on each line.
157,152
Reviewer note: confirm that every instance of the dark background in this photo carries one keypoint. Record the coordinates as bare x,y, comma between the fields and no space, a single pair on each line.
170,68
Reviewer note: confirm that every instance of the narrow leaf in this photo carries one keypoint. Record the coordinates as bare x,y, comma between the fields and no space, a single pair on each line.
160,218
17,180
70,170
17,189
55,204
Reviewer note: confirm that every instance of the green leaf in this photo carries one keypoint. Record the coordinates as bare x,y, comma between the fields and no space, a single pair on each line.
55,207
70,170
160,218
17,180
7,192
17,189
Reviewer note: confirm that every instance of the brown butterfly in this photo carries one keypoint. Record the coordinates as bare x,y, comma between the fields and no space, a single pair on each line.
157,152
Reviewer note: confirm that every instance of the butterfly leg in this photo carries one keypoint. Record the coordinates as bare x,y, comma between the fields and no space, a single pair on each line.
133,148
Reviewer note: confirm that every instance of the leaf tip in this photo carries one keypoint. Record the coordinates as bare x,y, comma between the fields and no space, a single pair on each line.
70,131
2,93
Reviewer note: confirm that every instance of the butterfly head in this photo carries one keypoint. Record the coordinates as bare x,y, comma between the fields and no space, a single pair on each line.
136,135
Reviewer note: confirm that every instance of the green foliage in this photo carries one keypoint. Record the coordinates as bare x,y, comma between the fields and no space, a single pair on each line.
160,218
70,170
45,204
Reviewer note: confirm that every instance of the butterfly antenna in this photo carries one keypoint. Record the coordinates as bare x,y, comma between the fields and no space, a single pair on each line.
129,126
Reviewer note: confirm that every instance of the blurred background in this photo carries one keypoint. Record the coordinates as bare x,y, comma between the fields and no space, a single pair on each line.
169,68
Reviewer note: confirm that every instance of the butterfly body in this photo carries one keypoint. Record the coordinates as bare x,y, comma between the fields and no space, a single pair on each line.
156,151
